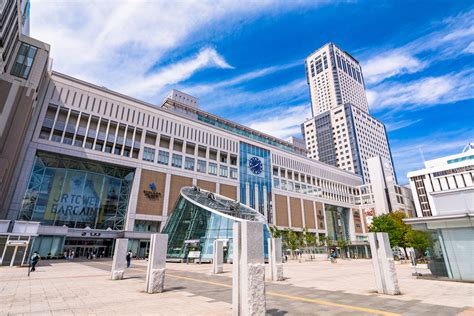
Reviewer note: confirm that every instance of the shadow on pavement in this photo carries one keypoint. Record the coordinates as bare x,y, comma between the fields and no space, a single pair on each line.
276,312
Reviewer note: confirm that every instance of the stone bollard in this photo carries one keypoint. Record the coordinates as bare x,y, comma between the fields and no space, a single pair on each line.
275,259
384,266
248,277
155,273
119,262
218,257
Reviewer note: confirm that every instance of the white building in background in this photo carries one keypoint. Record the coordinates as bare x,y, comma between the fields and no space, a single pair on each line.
444,198
384,195
182,97
445,186
298,142
342,132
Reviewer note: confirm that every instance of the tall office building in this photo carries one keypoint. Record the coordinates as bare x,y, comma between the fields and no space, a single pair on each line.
341,132
334,78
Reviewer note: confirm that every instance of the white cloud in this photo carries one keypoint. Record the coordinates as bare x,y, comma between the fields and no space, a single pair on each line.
201,89
394,125
177,72
281,122
232,98
389,65
408,156
423,92
451,37
470,48
115,45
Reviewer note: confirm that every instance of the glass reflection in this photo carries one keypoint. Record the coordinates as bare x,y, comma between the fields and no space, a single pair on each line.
76,193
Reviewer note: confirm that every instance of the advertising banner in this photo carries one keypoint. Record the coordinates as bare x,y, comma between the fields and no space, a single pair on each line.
75,197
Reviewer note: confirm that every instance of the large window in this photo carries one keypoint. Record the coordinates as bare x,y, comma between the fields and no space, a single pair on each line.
149,154
212,168
189,163
224,171
24,61
77,193
163,157
201,166
233,173
177,161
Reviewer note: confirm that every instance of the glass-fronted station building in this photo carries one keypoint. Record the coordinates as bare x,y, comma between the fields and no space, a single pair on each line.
99,165
200,217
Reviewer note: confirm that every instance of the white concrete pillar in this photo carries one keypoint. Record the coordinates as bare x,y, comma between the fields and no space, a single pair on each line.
247,194
265,202
384,266
218,257
248,278
275,259
256,199
119,262
155,273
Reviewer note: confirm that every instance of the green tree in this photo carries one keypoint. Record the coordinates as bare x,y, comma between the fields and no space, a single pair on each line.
322,240
276,233
419,240
392,224
399,233
309,239
292,240
343,244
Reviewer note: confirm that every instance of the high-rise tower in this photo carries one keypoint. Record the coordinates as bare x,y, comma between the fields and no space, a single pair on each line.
341,132
334,78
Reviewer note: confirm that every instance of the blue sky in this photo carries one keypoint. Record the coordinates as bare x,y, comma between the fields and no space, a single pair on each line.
245,60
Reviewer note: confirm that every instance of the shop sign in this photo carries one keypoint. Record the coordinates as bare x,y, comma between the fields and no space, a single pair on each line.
152,193
91,234
194,254
192,241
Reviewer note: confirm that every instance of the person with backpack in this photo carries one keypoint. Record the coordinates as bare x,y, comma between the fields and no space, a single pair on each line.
35,258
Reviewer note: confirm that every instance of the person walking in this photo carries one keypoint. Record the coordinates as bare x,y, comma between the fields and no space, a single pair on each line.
34,260
129,258
333,256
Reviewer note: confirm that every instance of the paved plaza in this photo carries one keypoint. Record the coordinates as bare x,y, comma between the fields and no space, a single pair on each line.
317,288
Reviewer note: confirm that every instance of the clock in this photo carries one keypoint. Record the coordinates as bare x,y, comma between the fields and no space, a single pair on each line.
255,165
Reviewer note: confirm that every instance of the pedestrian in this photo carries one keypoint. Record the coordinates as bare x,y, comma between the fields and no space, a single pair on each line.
34,260
65,255
72,255
333,256
129,258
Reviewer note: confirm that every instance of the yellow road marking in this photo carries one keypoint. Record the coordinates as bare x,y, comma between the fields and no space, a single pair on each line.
197,280
296,298
321,302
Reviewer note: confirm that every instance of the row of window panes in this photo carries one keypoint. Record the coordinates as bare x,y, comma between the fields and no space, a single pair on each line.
121,139
189,162
296,187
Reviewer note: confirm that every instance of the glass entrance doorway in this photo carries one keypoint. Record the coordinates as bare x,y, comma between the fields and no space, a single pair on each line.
15,251
89,248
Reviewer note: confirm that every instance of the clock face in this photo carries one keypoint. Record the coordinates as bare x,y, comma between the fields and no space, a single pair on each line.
255,165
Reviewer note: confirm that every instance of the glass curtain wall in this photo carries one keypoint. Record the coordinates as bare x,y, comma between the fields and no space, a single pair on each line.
255,172
76,193
190,222
337,219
